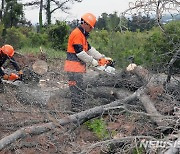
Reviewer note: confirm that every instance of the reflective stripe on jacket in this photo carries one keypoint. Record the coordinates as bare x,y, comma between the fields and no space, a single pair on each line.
73,63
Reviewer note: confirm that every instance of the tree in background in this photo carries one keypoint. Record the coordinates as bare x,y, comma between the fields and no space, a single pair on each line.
109,22
50,6
40,15
57,5
140,22
13,13
165,44
1,10
102,21
113,22
58,34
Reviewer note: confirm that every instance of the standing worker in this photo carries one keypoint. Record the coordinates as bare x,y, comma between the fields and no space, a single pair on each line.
7,52
80,52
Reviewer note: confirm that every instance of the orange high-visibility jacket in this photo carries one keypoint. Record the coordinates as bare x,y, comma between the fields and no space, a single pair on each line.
73,63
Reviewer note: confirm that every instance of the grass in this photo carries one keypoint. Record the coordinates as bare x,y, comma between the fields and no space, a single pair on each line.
98,126
51,53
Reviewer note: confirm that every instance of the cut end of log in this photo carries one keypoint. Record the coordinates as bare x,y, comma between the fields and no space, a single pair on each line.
40,67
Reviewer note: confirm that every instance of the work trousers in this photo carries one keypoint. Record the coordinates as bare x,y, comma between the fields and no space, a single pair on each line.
77,89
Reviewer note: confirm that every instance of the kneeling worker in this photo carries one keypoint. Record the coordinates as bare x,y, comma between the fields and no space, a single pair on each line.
6,53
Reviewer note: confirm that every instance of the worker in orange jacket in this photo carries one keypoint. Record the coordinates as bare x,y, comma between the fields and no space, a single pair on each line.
80,53
7,52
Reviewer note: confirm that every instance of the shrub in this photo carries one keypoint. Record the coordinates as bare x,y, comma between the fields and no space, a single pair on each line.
15,37
58,34
38,39
161,46
98,126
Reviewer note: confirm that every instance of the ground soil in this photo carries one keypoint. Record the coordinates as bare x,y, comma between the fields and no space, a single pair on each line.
62,140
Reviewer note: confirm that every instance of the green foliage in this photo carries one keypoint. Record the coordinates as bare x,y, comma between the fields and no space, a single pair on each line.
15,37
160,46
38,39
138,150
100,39
153,48
172,31
140,22
58,35
98,126
112,22
51,53
1,32
120,46
13,13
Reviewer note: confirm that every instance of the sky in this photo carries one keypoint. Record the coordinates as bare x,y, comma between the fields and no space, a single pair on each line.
97,7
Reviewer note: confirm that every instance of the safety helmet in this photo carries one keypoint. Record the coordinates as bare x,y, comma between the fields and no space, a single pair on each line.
8,50
89,18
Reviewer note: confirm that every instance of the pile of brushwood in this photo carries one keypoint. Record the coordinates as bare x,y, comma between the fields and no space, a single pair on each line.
139,112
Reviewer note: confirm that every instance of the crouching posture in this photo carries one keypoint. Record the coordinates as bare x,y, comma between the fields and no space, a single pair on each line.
6,53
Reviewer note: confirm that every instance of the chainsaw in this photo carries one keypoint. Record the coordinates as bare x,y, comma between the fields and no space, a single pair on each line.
106,65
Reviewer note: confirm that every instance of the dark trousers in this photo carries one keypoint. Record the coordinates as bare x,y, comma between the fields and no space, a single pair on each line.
77,89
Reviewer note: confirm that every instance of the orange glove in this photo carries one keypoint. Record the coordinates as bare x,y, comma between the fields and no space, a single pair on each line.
103,62
5,77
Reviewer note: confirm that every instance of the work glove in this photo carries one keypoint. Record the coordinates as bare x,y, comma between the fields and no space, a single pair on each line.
94,63
5,76
20,74
102,62
131,67
106,61
106,64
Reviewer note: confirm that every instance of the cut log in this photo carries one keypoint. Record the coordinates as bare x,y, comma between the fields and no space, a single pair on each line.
40,67
77,118
82,117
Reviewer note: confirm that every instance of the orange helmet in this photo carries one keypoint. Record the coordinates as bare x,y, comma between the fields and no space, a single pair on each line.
8,50
89,19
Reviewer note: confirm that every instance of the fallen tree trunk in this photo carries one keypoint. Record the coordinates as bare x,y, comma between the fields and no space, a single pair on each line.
77,118
150,108
119,80
83,116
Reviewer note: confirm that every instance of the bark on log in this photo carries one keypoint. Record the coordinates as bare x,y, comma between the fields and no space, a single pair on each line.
119,80
78,118
83,116
150,108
